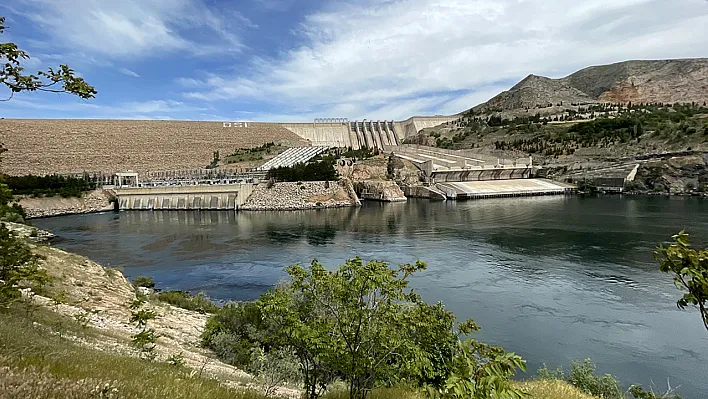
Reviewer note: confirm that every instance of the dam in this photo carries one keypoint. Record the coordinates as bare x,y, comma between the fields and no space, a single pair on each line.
374,135
197,197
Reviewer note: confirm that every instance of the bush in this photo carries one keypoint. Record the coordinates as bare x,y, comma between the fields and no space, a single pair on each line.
10,212
143,281
231,348
184,300
313,171
582,376
234,330
274,368
49,186
19,267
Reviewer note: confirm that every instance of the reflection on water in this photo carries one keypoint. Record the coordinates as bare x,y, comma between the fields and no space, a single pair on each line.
552,278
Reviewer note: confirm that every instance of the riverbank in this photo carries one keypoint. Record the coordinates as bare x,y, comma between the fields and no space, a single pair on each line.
84,316
91,202
88,306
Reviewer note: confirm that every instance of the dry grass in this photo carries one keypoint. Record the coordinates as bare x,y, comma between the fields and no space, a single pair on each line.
42,147
35,362
552,389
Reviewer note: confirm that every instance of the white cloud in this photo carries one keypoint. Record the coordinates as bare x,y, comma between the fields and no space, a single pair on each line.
153,109
374,58
130,28
128,72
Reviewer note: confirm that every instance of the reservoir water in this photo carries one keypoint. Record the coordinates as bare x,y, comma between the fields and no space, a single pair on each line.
550,278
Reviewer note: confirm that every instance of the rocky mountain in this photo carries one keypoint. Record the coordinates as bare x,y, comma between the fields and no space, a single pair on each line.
667,81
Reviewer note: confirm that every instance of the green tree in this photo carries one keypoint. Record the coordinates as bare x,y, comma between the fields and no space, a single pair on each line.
18,266
689,268
361,322
60,80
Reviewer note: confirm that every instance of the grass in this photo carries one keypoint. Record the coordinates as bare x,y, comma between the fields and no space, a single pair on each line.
36,362
184,300
380,393
253,154
552,389
537,389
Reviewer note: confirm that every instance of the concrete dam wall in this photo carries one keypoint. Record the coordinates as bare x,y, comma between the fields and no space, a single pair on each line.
412,126
340,132
203,197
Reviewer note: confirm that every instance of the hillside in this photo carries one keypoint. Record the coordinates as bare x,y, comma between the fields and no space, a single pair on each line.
660,81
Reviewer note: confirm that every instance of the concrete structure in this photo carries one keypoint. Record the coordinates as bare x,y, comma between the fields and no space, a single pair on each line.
442,165
340,132
129,179
412,126
611,179
501,188
327,134
292,156
201,197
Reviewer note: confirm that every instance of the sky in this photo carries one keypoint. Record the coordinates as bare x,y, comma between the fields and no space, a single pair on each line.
296,60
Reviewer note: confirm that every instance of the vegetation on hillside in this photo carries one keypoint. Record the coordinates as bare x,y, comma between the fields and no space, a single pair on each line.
19,267
38,361
48,186
601,126
362,324
198,303
315,170
362,153
10,211
254,153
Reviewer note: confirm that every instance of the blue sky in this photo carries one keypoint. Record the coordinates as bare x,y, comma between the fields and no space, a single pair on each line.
295,60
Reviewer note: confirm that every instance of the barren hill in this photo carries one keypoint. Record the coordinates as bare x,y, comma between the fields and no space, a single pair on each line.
667,81
46,146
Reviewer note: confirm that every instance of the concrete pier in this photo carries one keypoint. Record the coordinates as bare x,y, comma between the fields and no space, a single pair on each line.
502,188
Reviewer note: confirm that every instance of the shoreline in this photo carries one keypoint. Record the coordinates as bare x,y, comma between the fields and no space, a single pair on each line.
340,206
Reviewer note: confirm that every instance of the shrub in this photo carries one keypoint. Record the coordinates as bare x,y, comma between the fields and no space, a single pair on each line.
19,267
234,330
176,360
313,171
184,300
659,188
582,376
231,348
638,392
360,323
143,281
274,368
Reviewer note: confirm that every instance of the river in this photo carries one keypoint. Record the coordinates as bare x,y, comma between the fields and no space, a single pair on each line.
550,278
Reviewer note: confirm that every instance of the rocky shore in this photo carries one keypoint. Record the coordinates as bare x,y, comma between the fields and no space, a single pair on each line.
380,190
302,195
94,201
29,233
